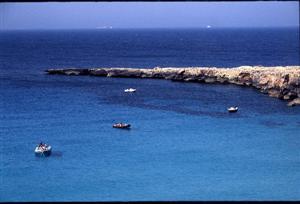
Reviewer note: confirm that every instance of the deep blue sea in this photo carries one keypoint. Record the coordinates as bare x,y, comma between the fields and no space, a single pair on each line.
183,144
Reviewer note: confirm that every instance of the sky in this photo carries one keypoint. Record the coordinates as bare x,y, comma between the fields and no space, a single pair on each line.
90,15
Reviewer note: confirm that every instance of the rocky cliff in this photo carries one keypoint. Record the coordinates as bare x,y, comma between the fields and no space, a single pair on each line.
279,82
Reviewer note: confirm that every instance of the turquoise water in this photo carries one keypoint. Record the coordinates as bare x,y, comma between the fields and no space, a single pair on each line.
183,145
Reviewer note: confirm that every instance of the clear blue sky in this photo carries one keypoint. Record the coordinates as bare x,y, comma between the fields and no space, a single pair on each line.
59,15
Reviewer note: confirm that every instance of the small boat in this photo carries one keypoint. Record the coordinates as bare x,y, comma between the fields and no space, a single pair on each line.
43,150
121,125
233,109
130,90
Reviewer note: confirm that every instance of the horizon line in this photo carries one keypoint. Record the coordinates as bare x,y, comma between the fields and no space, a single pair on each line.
141,28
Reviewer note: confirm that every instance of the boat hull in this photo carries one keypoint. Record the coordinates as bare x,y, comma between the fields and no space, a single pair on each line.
232,110
44,153
127,126
129,90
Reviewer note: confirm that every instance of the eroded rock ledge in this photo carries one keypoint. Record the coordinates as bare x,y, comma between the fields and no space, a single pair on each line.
279,82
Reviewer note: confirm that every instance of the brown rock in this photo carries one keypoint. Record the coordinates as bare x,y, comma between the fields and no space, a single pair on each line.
294,102
98,72
210,80
279,82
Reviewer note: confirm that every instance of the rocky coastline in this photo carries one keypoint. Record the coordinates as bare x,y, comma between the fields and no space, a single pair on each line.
279,82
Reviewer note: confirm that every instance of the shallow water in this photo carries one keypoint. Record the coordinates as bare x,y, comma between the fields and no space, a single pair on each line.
183,145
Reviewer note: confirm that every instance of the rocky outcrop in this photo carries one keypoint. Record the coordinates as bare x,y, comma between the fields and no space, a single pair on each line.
279,82
294,102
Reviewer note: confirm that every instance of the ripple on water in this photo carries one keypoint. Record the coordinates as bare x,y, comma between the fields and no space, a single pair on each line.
272,124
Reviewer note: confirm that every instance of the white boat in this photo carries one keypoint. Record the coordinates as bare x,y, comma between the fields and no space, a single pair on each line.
121,125
43,150
233,109
130,90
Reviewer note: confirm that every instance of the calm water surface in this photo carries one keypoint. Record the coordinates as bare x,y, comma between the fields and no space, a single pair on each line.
183,144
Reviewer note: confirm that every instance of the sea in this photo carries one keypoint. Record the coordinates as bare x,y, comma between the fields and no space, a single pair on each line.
183,144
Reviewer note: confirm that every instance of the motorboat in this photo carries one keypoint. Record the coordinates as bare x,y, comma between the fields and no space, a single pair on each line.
43,150
130,90
233,109
121,125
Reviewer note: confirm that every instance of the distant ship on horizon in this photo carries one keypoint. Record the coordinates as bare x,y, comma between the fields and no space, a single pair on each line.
208,26
104,27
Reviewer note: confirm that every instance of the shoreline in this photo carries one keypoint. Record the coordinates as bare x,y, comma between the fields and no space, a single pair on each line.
281,82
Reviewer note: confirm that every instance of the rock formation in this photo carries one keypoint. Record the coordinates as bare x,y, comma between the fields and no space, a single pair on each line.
279,82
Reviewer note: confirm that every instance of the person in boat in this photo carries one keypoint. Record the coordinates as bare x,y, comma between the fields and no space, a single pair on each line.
42,146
